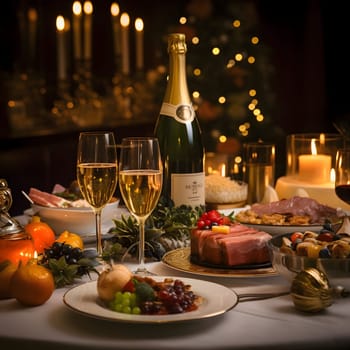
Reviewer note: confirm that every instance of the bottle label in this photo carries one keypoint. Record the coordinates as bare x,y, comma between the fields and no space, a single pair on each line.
188,189
183,113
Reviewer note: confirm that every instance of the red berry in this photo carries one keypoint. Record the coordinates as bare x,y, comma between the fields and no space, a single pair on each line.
200,223
214,215
295,236
129,287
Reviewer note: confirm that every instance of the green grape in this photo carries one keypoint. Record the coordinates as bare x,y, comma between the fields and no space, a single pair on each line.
118,308
133,302
118,297
126,310
126,302
136,310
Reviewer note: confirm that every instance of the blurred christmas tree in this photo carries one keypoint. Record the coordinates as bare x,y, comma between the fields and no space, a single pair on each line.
229,73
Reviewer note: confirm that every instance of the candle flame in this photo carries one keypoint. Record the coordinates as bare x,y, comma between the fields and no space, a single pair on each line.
313,147
60,23
88,8
35,256
115,9
124,19
322,139
223,170
332,175
139,24
32,15
77,8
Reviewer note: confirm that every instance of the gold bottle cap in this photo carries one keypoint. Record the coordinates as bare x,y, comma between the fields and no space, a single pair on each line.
177,43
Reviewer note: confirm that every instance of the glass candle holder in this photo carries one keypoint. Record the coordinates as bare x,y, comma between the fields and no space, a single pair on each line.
216,163
311,157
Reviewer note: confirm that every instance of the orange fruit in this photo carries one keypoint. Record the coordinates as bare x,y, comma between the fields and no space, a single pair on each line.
72,239
7,270
41,233
32,284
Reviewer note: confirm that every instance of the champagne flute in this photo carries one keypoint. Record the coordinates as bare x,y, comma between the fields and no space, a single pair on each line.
342,174
97,173
140,183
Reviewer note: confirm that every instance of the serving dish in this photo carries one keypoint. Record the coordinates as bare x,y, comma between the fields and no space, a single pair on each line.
271,229
79,220
283,229
217,299
180,260
289,265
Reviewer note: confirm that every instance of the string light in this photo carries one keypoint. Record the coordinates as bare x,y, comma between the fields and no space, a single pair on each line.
215,51
236,23
195,40
251,59
254,40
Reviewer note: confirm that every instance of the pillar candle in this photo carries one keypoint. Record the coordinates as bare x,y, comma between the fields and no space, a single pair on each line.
88,10
315,168
139,44
124,22
115,28
33,20
77,16
61,49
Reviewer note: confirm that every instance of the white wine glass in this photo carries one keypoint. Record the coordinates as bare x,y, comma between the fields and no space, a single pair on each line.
140,183
97,173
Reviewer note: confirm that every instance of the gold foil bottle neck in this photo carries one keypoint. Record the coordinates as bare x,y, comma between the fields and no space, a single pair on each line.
177,43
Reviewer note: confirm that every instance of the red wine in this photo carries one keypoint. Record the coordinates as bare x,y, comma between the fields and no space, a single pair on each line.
343,192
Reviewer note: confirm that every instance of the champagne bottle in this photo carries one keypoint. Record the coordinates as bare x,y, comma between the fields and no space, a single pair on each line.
179,134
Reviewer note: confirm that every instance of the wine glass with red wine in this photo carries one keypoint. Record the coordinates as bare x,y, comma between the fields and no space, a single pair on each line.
342,174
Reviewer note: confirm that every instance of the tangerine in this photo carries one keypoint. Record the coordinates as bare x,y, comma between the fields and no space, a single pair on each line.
41,233
71,238
7,270
32,284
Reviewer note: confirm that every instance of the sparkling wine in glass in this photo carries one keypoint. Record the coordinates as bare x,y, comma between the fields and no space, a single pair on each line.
97,173
342,174
140,183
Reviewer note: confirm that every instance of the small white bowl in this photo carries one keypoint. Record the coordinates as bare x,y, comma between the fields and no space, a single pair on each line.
77,220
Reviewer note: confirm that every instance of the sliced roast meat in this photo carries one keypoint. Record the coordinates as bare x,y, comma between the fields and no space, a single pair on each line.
317,212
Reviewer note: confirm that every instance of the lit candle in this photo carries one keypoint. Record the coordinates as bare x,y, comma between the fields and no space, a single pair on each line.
88,9
314,168
61,50
124,22
139,43
33,19
115,28
223,170
77,14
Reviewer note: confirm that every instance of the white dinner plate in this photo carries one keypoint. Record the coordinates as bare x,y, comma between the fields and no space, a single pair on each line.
279,229
217,299
274,229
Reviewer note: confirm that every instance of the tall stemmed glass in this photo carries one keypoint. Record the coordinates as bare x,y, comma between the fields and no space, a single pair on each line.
140,183
97,173
342,174
342,183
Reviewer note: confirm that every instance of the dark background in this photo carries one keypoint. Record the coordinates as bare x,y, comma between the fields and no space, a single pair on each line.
308,41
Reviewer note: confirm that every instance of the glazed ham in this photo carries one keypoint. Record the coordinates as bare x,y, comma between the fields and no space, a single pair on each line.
296,206
241,246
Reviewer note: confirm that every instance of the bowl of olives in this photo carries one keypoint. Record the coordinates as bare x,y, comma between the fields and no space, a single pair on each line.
325,250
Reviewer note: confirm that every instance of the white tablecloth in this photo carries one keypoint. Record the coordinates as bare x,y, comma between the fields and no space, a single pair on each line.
264,324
